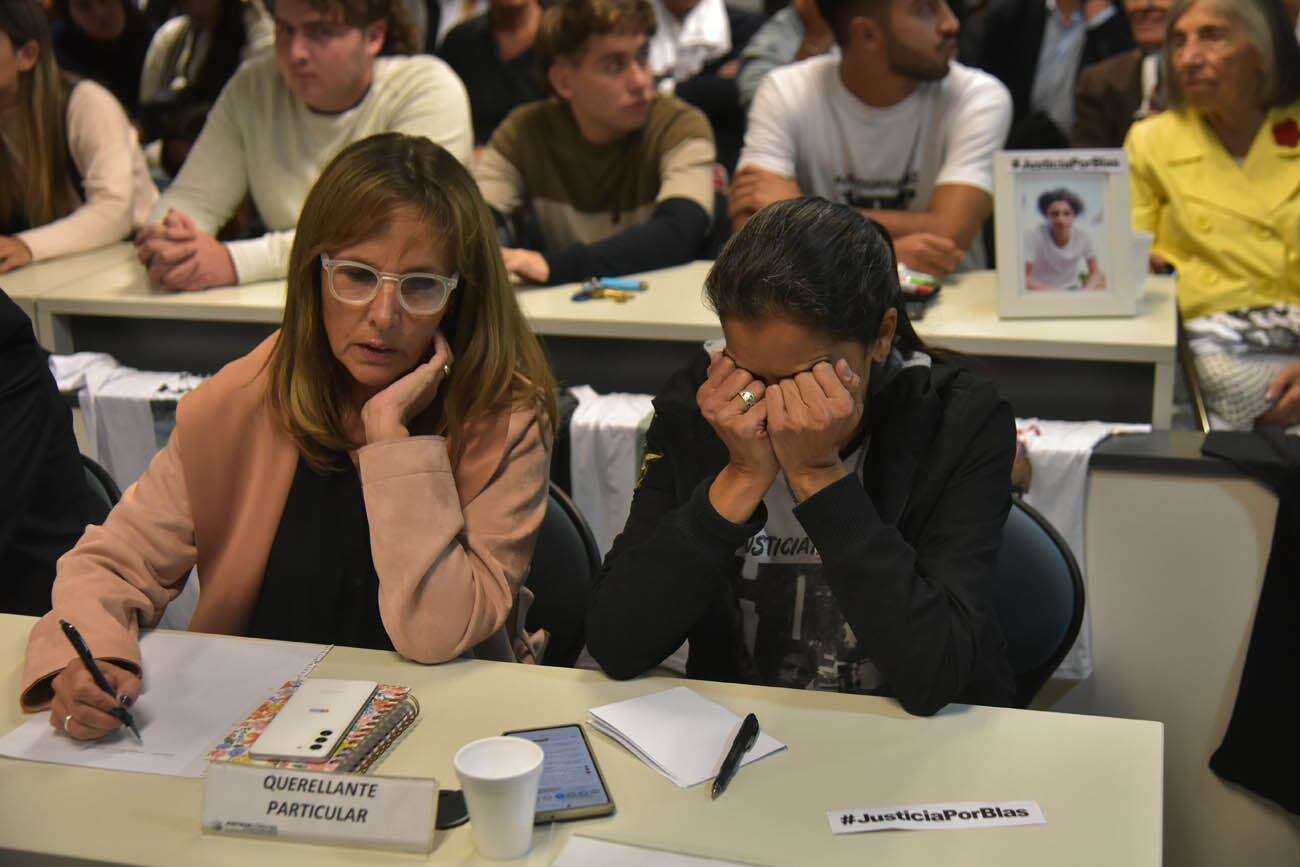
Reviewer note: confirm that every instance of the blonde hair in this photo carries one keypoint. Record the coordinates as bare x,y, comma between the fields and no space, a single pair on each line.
499,360
43,107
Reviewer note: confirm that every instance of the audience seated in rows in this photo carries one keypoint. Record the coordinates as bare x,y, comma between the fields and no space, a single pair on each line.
1217,180
104,40
695,54
277,123
607,177
1114,92
1036,49
47,503
190,59
72,176
373,475
793,33
891,127
493,55
821,501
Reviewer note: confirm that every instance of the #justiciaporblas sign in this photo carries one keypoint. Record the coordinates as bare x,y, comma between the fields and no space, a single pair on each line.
387,812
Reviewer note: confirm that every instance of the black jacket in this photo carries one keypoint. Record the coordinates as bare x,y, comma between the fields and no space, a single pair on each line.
1005,39
46,503
908,553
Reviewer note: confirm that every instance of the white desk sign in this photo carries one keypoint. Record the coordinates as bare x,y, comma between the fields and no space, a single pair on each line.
387,812
937,817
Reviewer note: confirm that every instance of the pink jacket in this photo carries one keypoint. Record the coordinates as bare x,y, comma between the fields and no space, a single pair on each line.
451,543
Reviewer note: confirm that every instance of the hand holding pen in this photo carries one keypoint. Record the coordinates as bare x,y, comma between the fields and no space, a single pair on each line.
86,707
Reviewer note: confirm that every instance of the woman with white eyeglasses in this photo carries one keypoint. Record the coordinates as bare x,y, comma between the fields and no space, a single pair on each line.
374,474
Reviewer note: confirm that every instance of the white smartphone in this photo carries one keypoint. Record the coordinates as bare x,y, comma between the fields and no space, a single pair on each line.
310,724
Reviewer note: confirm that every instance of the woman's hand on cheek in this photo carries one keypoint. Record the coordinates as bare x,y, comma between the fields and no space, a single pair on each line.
751,464
809,418
386,416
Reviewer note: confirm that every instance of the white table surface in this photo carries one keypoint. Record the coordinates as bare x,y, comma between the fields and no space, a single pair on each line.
1097,780
30,282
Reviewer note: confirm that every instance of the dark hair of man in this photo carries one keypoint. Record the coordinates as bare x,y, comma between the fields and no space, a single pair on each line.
814,263
1060,194
568,24
838,14
401,36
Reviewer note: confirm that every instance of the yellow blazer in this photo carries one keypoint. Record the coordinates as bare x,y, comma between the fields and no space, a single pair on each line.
1233,232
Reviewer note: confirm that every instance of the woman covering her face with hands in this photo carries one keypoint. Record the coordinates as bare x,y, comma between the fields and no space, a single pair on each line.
821,501
373,475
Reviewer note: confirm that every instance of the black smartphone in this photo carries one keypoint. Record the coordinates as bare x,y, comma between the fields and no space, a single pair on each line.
571,786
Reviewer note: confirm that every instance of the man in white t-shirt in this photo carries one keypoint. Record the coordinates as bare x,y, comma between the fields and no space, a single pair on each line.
280,120
892,127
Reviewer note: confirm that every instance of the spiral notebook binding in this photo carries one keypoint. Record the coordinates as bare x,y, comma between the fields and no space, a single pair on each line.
382,737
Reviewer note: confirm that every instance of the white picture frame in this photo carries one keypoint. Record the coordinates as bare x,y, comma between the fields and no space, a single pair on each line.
1064,235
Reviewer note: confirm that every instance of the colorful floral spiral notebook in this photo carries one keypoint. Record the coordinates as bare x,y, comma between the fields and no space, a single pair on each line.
392,709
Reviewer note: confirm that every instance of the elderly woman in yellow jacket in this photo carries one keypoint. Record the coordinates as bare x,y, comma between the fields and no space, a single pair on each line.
1217,180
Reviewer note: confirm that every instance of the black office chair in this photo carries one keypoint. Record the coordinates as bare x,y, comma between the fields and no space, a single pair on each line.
102,487
1038,594
563,569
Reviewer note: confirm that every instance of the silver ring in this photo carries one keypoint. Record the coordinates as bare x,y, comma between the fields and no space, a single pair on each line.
749,398
446,371
67,719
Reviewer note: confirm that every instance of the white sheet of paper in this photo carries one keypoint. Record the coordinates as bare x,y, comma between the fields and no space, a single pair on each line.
679,733
196,689
592,852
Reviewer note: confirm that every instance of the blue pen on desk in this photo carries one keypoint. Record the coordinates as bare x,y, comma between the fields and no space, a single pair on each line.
78,644
627,284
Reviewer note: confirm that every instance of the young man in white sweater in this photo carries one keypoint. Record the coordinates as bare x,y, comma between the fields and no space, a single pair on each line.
281,119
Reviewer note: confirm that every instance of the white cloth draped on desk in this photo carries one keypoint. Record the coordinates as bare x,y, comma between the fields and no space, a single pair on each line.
1059,452
129,413
605,455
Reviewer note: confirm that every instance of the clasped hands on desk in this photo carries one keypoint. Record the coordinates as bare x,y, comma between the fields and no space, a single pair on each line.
1097,780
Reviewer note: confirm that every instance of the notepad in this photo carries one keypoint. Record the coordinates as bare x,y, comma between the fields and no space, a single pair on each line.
679,733
388,714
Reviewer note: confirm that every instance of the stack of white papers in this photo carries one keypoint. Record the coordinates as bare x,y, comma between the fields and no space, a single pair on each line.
196,688
679,733
591,852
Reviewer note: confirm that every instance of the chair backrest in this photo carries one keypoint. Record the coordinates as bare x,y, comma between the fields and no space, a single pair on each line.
1038,593
564,566
101,484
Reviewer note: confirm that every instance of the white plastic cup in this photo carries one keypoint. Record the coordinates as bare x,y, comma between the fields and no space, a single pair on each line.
1142,242
499,777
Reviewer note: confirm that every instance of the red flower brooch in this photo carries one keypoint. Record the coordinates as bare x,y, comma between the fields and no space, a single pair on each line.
1286,133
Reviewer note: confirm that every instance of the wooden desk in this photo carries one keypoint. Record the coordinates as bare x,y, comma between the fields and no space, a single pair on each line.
1097,780
634,346
28,283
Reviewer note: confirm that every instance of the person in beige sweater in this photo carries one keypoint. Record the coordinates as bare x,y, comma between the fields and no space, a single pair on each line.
374,474
72,175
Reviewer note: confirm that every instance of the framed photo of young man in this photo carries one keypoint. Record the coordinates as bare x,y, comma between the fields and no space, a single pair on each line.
1064,239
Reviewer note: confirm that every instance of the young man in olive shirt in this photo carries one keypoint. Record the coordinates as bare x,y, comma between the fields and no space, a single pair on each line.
613,177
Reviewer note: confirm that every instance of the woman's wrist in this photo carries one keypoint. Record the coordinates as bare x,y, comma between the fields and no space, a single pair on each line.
805,483
736,493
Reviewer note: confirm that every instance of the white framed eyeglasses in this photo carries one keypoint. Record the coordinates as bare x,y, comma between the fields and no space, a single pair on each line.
356,283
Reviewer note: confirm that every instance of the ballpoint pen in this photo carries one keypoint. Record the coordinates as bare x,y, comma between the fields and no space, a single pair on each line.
79,645
744,741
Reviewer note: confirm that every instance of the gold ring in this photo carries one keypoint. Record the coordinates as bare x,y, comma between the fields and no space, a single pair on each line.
749,398
446,371
67,719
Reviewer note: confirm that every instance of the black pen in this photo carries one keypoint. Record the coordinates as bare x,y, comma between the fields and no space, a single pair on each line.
731,763
79,645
